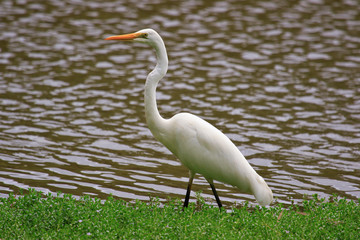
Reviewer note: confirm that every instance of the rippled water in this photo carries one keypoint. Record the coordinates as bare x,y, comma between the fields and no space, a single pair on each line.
280,78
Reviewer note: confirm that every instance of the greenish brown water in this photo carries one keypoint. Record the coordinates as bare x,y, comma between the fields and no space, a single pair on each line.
280,78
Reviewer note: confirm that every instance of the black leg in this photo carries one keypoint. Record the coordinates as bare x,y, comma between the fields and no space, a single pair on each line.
187,197
215,194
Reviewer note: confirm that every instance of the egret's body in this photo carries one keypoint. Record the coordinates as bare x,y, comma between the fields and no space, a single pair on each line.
199,146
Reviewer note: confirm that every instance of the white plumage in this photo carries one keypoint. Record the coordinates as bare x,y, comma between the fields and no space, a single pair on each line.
199,146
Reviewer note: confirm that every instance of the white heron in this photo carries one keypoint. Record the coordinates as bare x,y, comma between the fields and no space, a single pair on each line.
199,146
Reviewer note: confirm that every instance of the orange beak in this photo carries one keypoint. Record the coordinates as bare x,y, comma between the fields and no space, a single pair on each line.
130,36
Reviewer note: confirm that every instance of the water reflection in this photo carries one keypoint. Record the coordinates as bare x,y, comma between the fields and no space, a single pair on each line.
281,79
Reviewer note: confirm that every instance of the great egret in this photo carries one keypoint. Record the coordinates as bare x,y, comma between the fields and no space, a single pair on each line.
199,146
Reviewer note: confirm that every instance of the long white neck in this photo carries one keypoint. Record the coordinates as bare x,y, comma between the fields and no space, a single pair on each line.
155,122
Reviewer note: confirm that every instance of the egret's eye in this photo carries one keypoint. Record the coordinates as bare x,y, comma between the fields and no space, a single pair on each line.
145,35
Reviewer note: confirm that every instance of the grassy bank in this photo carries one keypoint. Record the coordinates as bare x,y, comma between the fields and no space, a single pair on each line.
34,216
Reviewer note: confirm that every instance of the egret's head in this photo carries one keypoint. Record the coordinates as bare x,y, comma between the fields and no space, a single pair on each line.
148,36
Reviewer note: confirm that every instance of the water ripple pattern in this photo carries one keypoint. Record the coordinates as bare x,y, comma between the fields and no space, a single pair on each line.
280,78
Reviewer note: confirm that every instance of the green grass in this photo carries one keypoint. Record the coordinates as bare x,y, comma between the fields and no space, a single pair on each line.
34,216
